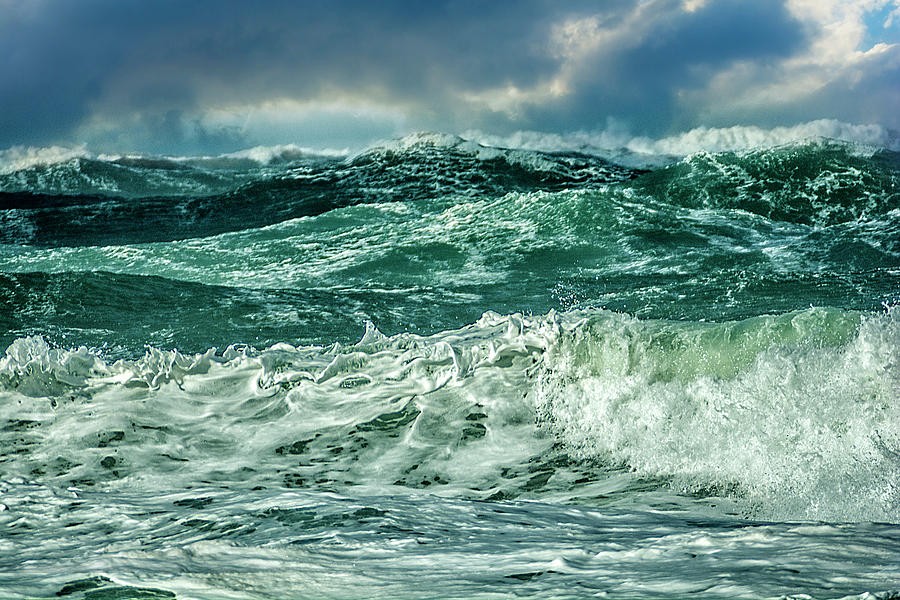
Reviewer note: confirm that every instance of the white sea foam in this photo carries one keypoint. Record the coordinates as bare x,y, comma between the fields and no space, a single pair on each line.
21,157
621,146
614,142
157,472
440,145
18,158
262,156
283,152
796,414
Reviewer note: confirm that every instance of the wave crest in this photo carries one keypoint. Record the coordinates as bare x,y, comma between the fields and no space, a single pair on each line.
617,144
792,416
796,414
821,182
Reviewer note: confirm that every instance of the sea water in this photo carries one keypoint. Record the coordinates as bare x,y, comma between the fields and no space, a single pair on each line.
436,369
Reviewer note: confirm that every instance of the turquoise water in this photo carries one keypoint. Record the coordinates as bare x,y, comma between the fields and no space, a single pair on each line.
442,370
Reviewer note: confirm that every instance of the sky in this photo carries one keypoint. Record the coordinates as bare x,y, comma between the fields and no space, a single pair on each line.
206,77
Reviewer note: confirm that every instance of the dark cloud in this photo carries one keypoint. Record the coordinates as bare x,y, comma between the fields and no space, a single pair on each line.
74,57
142,74
639,82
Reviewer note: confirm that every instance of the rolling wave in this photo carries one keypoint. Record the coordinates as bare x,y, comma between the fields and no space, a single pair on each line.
111,202
422,235
434,351
819,183
789,417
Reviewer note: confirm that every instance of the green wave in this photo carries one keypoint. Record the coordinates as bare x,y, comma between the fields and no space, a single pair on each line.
789,416
818,183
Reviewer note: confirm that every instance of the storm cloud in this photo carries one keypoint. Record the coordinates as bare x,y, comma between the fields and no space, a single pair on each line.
205,76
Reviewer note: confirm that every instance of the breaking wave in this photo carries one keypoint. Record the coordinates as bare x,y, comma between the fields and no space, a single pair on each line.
617,144
791,416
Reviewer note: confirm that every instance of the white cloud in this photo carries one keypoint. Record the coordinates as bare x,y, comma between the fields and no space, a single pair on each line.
893,17
333,126
694,5
574,42
311,122
841,73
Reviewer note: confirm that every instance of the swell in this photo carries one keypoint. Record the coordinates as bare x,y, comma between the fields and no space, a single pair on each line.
817,184
431,265
47,220
110,207
121,313
427,265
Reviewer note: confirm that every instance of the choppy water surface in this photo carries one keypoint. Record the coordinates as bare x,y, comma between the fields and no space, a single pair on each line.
442,370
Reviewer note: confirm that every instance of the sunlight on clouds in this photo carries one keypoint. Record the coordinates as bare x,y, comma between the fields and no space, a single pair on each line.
261,120
575,38
510,99
694,5
836,56
842,25
575,43
569,42
339,124
343,122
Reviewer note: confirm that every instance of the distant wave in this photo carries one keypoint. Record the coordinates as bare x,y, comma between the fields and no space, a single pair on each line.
19,158
624,148
113,198
613,144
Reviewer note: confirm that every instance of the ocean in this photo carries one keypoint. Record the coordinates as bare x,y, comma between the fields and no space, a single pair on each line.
442,370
